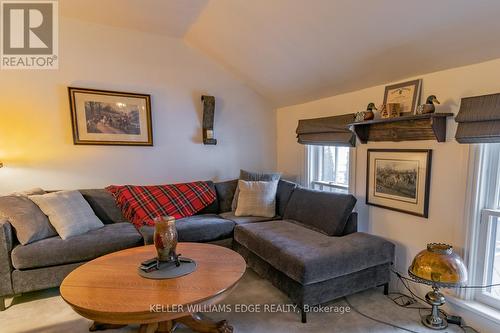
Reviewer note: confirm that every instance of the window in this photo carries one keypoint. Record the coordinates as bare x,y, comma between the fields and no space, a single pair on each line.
487,242
328,168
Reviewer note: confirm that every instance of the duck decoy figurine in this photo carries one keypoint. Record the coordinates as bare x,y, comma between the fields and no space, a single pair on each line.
366,115
429,106
369,115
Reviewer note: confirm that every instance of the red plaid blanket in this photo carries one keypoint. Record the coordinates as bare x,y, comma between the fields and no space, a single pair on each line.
141,204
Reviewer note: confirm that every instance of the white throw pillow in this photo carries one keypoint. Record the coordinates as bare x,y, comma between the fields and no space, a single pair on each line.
256,198
68,212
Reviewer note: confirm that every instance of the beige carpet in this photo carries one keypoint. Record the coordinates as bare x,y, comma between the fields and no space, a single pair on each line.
46,312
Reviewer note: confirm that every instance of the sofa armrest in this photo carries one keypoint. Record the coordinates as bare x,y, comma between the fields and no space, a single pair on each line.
6,244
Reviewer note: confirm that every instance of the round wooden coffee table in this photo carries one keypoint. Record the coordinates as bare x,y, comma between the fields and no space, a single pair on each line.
110,291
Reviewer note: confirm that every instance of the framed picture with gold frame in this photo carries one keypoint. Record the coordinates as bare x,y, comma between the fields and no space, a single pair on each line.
406,94
104,117
399,179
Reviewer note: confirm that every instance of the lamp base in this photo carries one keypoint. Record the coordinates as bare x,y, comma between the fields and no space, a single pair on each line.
436,323
435,320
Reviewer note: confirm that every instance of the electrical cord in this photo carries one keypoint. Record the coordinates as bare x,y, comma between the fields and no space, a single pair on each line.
465,328
408,303
411,300
407,287
375,319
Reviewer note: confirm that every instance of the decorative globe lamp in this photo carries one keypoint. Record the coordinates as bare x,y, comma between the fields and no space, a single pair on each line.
439,267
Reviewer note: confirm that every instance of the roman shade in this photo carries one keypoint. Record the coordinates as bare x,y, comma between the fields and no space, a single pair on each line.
327,131
479,119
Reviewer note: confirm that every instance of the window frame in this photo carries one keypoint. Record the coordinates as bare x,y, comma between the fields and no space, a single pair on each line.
484,208
487,226
312,166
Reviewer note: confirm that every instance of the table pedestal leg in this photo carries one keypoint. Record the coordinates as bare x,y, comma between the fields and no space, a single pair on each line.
194,322
198,324
96,326
148,328
165,327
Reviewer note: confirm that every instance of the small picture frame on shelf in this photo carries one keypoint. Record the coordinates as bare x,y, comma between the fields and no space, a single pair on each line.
406,94
390,110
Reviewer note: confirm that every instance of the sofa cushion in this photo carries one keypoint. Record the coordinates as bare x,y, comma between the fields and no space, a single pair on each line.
29,222
197,228
56,251
283,194
326,212
104,205
225,193
213,208
247,219
307,256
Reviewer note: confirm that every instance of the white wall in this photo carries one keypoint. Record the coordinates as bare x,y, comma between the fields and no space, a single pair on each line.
36,142
449,162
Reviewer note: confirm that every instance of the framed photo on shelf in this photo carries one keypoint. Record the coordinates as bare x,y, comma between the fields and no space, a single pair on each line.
102,117
407,94
399,179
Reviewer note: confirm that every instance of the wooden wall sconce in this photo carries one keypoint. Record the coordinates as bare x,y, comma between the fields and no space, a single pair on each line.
208,120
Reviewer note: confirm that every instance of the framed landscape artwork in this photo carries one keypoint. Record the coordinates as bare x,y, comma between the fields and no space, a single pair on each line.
399,180
407,94
102,117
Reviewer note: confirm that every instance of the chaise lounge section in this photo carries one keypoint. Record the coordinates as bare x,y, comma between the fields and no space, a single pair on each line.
314,254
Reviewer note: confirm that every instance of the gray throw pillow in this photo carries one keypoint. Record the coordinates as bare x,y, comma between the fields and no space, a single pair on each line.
253,176
68,212
29,222
257,198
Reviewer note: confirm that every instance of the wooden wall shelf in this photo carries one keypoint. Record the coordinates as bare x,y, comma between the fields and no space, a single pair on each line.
431,126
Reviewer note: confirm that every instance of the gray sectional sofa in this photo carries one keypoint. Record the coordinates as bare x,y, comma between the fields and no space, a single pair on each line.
311,250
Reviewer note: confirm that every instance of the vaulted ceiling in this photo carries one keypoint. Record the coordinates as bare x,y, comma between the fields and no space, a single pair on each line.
293,51
165,17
